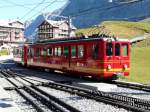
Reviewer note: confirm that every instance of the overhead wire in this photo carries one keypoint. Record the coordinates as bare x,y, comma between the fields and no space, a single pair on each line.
100,9
19,5
51,3
32,9
13,3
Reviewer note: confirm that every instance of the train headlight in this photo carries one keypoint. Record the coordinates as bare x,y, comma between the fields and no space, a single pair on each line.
109,67
125,66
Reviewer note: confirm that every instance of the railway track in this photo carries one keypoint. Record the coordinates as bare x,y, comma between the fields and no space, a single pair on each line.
135,86
120,101
142,87
50,102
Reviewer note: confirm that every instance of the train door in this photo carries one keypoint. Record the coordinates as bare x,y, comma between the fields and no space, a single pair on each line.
108,61
37,54
25,55
73,57
66,58
117,58
125,57
30,55
121,59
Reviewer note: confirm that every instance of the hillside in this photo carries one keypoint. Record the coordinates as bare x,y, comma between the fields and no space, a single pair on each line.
87,13
121,29
140,64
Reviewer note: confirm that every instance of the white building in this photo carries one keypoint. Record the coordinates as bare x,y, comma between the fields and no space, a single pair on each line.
11,34
50,29
11,31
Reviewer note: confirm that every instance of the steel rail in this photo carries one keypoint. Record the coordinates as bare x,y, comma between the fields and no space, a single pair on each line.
128,103
38,96
30,101
140,87
53,98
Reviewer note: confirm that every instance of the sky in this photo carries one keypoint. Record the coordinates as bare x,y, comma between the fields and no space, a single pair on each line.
27,9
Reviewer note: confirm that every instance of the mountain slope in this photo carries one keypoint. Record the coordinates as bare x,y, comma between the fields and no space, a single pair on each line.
91,12
121,29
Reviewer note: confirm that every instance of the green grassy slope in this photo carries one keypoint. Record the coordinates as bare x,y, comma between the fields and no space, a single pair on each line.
140,65
122,29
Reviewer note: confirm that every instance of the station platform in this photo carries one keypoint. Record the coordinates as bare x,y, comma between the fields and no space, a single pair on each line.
96,86
6,102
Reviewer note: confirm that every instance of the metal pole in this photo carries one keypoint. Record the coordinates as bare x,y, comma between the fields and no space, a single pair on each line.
69,27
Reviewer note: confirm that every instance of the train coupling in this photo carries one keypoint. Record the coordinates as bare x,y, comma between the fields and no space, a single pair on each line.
119,75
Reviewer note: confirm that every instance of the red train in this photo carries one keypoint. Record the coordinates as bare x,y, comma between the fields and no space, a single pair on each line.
98,57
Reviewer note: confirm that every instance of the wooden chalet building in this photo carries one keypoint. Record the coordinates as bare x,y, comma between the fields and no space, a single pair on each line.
50,29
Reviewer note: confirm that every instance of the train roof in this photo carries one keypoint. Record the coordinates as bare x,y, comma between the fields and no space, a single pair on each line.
102,37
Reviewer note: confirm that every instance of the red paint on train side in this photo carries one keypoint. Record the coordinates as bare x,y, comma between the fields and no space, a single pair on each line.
100,58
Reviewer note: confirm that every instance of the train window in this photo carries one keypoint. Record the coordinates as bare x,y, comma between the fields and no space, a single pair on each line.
55,51
37,53
73,51
59,51
66,51
44,52
80,51
50,51
16,51
117,49
31,52
22,54
109,49
95,51
125,50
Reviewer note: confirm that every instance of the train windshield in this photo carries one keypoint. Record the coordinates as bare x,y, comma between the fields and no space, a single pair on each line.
117,49
109,49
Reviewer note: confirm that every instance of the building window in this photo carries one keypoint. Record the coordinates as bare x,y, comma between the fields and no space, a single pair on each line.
51,30
50,35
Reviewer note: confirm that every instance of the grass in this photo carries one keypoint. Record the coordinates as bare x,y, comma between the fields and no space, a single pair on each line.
4,52
121,29
140,65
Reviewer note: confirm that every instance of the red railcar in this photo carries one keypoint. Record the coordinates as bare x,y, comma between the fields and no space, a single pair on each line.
96,57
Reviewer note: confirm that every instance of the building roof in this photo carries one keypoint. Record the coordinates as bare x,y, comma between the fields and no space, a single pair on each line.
8,23
58,23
